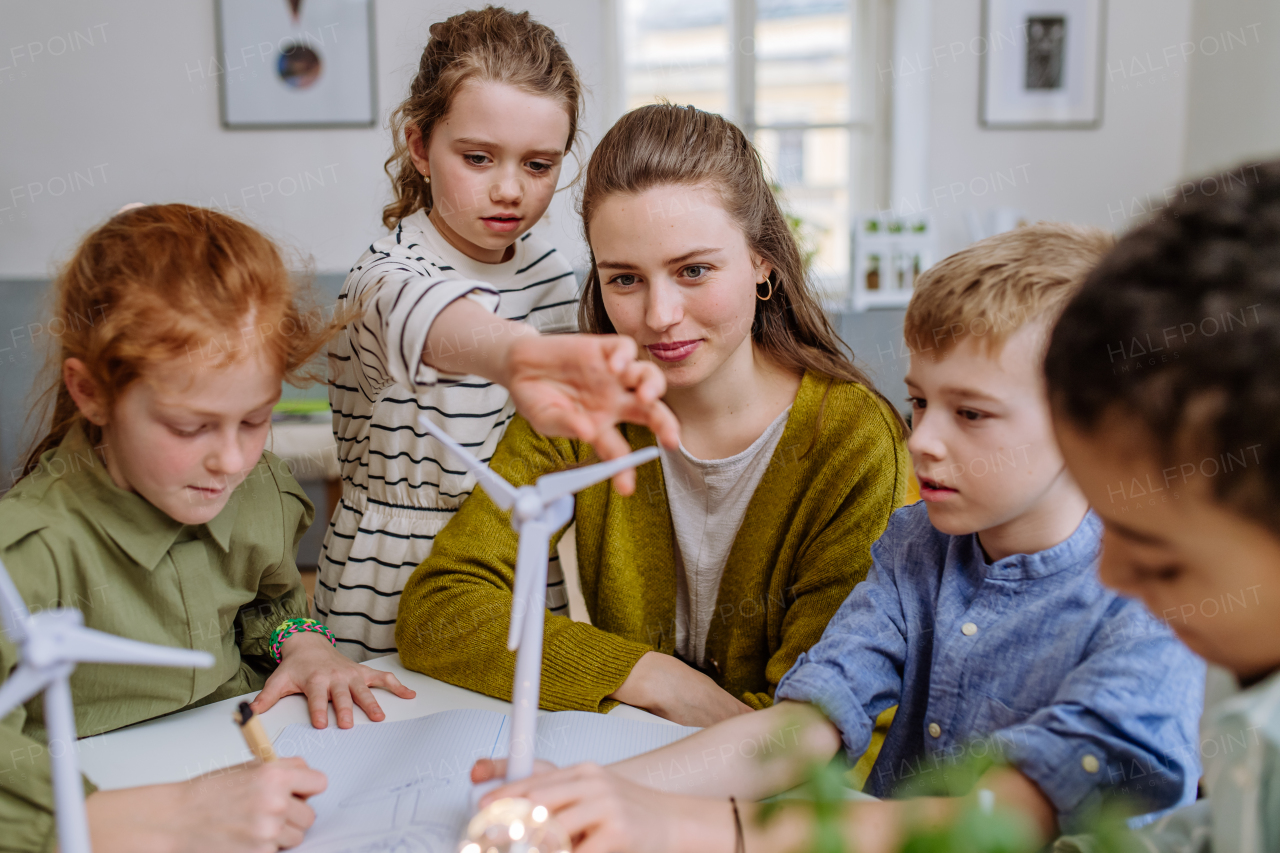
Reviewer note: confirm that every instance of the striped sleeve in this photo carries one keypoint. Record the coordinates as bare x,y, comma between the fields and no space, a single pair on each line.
399,300
554,310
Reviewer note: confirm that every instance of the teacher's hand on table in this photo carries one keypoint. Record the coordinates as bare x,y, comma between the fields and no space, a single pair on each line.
250,808
312,666
671,689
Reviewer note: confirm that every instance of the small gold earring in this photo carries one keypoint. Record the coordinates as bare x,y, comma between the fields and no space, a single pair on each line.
767,296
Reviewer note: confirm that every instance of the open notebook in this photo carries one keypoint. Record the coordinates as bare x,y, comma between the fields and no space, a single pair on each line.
404,787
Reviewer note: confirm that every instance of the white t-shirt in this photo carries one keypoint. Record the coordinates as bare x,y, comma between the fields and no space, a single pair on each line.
708,500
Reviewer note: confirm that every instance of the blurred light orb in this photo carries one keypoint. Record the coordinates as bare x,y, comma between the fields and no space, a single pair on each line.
514,825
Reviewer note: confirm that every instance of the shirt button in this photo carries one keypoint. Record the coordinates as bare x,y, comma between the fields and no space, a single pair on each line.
1090,763
968,629
935,730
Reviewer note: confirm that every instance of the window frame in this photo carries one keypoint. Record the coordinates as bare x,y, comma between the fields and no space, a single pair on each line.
869,108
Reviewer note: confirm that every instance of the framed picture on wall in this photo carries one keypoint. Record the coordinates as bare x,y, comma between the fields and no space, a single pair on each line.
1042,67
296,63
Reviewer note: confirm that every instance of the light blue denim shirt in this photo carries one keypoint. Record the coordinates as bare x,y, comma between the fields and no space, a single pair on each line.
1080,688
1241,748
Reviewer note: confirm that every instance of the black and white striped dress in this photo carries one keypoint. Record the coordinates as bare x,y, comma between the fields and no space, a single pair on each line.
399,488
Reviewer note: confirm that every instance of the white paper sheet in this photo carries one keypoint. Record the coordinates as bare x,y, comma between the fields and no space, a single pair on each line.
404,787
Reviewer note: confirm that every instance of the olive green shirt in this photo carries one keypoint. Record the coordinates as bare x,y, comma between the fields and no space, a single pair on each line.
837,474
70,537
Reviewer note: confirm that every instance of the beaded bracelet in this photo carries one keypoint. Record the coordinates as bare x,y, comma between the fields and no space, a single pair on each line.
289,627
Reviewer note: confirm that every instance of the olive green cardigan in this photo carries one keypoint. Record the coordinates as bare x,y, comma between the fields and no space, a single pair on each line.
839,471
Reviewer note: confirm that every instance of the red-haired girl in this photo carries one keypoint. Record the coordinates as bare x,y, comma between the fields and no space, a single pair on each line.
150,505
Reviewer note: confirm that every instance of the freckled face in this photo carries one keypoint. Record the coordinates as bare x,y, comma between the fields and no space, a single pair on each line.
1211,573
677,275
982,442
186,434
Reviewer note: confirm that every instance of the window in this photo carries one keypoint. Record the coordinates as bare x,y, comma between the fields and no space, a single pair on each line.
784,71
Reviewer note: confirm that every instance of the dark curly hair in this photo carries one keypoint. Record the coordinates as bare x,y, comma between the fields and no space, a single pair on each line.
1178,331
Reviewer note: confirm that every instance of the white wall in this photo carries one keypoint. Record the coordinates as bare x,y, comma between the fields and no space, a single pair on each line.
1233,103
1086,176
136,113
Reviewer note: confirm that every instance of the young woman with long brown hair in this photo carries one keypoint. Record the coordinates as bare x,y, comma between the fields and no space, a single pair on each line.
735,551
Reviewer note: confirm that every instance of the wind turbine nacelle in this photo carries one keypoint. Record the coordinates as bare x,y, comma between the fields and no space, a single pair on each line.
528,504
47,635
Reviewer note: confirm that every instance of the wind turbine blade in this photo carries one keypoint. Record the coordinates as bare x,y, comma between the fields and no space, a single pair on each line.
23,683
531,576
499,490
85,645
13,610
561,483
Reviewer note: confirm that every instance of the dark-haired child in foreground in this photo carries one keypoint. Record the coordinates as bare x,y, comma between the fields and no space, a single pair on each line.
982,617
1199,421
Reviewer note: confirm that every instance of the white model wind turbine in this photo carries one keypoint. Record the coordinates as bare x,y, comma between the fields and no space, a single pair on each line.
537,511
51,643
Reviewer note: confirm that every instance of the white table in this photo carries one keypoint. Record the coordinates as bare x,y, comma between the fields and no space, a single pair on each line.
181,746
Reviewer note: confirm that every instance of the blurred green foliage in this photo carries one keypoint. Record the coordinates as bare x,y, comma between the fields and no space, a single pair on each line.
825,795
806,235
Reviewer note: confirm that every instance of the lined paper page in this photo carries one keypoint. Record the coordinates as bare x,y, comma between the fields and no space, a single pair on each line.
571,737
406,786
394,786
